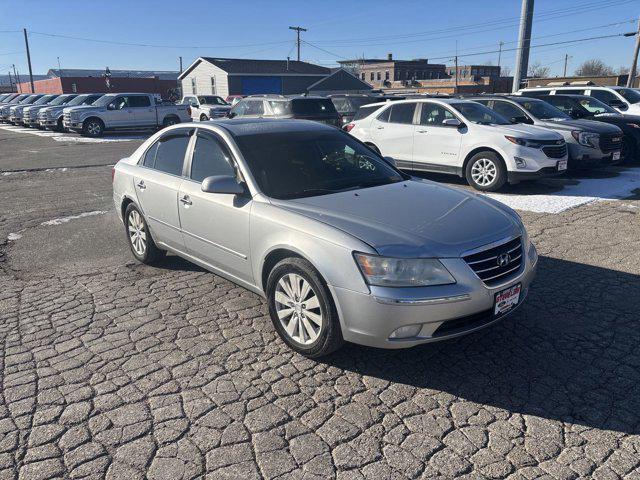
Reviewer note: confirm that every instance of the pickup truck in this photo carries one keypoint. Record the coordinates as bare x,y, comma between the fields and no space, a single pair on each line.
124,111
204,107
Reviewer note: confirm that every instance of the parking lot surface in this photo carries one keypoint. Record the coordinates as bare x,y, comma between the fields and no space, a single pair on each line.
114,369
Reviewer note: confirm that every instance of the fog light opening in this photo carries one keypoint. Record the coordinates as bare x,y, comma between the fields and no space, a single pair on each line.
520,162
407,331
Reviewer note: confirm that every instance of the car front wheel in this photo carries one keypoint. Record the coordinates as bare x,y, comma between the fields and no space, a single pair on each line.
93,127
486,172
140,240
302,310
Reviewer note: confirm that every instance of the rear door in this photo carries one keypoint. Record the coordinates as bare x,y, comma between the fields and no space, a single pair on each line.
157,183
143,111
392,132
215,226
436,146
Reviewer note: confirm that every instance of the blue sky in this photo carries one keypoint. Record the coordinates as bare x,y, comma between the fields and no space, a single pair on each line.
337,29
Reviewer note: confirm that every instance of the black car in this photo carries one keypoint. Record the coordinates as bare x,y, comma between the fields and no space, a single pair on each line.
590,108
319,109
348,104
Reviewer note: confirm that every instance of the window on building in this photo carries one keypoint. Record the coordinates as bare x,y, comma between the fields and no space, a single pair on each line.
74,88
386,75
362,76
379,76
372,77
194,89
213,85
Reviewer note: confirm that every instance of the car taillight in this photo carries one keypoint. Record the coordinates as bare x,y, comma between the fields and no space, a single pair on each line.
348,127
189,111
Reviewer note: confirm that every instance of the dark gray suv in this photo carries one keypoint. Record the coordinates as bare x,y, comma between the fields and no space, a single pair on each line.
319,109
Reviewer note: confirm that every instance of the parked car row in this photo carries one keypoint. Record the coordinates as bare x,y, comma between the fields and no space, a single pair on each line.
92,114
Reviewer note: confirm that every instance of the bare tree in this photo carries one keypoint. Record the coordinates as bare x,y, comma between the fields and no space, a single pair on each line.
505,71
593,68
537,70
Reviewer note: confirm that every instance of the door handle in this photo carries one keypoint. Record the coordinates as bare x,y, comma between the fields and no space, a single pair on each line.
380,128
423,131
186,200
141,185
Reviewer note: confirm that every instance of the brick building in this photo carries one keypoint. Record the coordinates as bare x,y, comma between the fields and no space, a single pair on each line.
381,73
162,83
474,71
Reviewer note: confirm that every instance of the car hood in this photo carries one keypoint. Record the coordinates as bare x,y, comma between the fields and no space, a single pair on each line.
586,125
216,107
527,131
414,218
82,108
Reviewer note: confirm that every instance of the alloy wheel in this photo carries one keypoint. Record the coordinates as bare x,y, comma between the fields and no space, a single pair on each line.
484,172
137,233
93,128
298,309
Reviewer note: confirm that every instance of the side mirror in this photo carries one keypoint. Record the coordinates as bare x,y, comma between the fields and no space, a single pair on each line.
111,106
452,122
222,184
521,119
231,114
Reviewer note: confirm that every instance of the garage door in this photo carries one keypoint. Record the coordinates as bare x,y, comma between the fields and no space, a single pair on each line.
256,85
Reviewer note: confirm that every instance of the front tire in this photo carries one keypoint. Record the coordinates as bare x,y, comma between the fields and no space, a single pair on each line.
302,310
140,240
486,172
93,128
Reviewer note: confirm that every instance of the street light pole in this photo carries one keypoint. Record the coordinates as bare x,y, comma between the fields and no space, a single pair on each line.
524,42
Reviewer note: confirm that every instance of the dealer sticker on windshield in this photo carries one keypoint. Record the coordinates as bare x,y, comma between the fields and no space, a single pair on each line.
562,165
507,299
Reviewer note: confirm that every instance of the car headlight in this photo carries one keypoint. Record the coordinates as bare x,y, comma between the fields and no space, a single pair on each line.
523,142
402,272
585,138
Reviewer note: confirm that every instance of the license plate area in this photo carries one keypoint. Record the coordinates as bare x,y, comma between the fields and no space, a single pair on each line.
615,156
507,299
562,165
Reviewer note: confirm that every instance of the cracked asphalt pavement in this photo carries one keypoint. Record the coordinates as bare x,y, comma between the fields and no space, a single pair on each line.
112,369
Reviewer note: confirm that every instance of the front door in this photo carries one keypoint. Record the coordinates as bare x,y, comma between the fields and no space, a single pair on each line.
392,132
119,113
436,146
157,183
215,226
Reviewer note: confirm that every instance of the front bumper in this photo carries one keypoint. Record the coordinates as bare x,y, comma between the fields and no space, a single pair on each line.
441,312
586,157
72,125
546,172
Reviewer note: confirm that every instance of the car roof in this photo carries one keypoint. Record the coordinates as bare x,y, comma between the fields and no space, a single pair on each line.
238,127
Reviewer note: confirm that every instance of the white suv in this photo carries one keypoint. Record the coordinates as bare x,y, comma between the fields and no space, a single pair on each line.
463,138
624,100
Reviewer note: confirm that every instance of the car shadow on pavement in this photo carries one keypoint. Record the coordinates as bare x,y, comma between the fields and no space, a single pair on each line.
571,353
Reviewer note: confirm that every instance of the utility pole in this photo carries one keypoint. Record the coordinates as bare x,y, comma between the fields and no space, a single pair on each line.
180,58
524,42
59,67
566,60
634,61
10,82
500,52
16,77
26,42
456,63
298,30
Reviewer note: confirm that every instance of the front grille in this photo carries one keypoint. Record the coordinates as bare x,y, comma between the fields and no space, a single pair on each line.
557,151
610,142
495,265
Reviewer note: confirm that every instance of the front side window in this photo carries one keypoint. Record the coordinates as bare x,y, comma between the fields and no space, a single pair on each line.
290,165
402,113
139,101
119,103
433,115
507,110
255,107
595,106
477,113
170,153
280,108
210,158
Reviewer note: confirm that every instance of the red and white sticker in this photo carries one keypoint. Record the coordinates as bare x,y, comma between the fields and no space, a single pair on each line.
507,299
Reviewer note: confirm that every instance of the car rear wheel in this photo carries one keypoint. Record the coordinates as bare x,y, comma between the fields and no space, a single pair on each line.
203,118
93,127
486,172
302,310
140,240
170,120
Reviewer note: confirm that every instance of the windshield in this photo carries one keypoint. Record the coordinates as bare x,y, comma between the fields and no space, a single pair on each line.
290,165
478,113
61,100
630,95
18,99
45,99
104,101
543,110
313,106
212,100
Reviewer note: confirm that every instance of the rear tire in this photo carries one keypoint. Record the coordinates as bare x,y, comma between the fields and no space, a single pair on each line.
170,120
302,309
93,127
139,237
486,171
203,118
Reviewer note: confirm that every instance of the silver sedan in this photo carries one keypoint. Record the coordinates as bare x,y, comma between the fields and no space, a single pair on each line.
343,246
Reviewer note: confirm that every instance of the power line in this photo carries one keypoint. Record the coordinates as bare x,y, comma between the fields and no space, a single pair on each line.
323,50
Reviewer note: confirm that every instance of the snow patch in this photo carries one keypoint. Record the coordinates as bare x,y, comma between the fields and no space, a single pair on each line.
586,191
61,220
12,237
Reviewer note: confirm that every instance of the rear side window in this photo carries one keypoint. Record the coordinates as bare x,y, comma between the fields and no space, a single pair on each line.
535,93
313,106
384,115
402,113
210,157
170,153
254,107
603,95
139,102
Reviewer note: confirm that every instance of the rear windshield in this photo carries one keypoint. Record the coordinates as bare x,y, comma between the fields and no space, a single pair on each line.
313,106
365,111
351,104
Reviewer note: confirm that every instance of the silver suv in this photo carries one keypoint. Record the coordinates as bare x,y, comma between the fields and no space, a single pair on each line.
342,245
